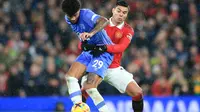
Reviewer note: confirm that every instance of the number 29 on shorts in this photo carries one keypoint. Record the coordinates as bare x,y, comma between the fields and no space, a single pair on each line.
97,64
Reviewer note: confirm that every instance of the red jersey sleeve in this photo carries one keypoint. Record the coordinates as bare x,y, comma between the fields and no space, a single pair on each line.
79,46
123,44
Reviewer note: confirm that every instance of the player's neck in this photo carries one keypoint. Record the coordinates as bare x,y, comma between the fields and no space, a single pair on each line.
115,23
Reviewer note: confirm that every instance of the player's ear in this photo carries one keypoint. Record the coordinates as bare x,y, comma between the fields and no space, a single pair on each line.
113,10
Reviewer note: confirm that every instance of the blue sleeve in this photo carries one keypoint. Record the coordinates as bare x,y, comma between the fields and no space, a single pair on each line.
90,17
67,20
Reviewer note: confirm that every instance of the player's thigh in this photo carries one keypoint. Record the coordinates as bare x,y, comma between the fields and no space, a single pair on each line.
76,70
119,78
79,66
92,81
99,65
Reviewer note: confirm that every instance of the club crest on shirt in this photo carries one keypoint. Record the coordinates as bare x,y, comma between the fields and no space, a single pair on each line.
118,34
82,26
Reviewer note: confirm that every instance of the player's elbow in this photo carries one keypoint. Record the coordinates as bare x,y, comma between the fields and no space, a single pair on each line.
103,20
121,49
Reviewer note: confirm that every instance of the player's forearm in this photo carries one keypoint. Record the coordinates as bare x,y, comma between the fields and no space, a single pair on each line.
116,48
102,22
120,47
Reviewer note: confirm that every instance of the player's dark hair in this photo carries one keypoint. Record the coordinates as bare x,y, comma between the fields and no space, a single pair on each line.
70,7
122,3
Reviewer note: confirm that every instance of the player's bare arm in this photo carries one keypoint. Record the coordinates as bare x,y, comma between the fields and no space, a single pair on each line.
116,48
102,22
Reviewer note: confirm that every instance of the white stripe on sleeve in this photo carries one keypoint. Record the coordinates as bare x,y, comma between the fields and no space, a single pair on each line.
94,17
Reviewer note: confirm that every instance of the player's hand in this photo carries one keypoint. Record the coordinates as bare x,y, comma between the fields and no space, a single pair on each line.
98,50
84,36
87,47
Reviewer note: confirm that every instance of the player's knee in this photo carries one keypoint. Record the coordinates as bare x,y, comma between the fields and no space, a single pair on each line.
69,75
139,91
138,95
88,85
136,92
71,79
92,81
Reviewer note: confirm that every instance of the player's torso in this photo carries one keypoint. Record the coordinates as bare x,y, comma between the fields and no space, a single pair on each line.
116,35
83,25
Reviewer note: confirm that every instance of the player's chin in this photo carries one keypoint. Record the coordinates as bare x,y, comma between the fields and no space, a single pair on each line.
73,21
120,20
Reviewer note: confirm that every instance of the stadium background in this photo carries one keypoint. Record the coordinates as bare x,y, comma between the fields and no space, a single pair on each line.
37,47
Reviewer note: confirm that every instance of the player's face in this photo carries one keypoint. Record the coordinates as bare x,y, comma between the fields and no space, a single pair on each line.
73,19
119,13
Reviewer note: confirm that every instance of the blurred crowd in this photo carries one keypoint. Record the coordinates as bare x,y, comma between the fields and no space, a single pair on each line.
37,46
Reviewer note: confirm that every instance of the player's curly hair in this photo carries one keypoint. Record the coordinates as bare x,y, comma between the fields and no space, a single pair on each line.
70,7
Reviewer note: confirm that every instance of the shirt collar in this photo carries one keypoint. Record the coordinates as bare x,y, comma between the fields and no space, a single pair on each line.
118,26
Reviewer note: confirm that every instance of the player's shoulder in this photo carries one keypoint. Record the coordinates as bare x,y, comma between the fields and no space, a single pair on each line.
87,12
84,10
128,31
128,27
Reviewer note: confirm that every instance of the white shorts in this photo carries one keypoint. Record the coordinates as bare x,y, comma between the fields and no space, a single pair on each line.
117,77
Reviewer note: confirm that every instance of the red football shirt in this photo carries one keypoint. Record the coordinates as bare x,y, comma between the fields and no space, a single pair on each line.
121,36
